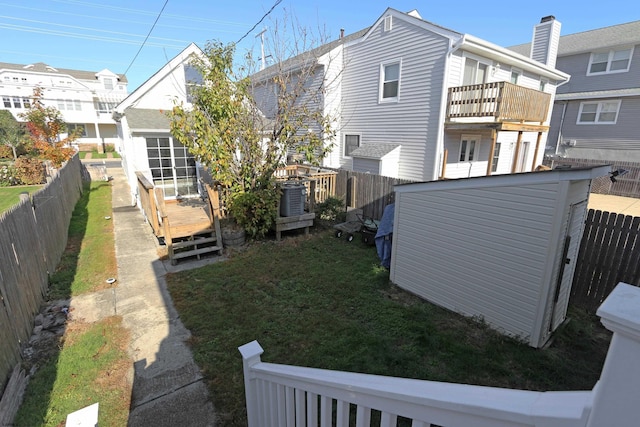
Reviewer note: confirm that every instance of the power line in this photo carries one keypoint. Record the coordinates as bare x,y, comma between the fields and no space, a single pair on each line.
260,21
145,40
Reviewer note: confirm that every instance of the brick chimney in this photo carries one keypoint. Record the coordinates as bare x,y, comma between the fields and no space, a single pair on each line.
546,37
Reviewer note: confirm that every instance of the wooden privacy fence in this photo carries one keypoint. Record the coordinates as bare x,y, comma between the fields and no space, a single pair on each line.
33,236
609,254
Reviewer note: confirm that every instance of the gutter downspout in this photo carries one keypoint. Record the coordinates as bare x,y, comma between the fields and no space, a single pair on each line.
439,174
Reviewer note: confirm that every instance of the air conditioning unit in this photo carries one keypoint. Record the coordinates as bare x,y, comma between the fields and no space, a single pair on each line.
292,199
571,142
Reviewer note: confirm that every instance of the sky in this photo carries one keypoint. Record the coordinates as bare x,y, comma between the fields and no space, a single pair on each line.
137,37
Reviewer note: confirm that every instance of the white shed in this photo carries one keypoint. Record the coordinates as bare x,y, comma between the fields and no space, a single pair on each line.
501,248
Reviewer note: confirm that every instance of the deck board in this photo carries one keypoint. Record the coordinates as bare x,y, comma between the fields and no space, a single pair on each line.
188,218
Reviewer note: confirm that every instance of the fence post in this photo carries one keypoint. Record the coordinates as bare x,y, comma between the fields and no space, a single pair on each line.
615,400
251,356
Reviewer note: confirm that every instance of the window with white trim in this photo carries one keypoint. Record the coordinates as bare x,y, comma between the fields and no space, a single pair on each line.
6,101
469,145
475,72
390,81
351,142
496,157
603,112
108,83
73,127
613,61
515,75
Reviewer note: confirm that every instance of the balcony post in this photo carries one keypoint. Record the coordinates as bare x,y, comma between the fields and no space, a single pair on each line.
494,135
250,357
615,401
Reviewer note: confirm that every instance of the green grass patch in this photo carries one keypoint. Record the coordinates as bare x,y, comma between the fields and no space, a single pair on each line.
97,155
91,367
325,303
90,256
10,196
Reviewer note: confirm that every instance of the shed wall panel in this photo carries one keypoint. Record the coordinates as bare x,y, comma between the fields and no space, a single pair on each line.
479,252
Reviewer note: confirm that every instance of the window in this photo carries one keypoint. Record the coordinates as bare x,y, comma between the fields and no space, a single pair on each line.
604,112
469,148
77,105
108,83
6,101
613,61
106,107
515,76
390,82
543,84
26,102
496,156
61,104
72,127
474,72
351,142
17,102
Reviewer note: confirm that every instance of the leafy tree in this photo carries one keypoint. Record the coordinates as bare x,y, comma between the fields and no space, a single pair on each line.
241,139
45,124
12,133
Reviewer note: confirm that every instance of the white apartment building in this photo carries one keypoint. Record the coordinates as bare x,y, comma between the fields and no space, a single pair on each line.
85,98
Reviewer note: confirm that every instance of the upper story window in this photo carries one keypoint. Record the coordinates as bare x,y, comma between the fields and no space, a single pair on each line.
351,142
515,76
390,82
475,72
108,83
604,112
6,101
543,84
613,61
69,104
469,145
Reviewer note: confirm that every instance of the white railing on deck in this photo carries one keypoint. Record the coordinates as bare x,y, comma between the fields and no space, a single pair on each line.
292,396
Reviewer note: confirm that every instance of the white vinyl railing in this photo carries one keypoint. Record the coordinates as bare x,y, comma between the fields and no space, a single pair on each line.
292,396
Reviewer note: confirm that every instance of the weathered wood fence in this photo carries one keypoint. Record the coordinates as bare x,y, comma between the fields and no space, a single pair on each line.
33,236
627,185
609,254
365,191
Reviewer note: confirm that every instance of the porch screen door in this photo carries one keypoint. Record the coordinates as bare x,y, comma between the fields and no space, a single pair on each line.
172,167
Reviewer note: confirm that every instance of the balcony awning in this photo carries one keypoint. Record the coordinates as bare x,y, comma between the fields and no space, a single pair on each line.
498,126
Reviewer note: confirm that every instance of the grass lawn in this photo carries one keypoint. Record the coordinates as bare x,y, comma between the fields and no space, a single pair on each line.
10,196
325,303
91,363
96,155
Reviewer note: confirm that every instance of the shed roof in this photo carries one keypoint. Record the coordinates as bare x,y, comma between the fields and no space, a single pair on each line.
374,151
524,178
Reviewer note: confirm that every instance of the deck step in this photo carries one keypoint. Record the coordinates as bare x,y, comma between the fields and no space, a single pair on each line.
196,241
194,252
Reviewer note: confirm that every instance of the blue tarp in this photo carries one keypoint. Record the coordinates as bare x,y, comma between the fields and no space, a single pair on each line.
383,236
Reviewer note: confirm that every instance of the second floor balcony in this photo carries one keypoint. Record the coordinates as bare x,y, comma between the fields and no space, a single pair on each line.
502,101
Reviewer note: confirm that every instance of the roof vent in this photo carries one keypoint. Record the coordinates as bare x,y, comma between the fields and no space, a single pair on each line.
388,23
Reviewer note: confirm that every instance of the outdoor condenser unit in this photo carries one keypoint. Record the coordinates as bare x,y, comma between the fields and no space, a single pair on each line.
292,200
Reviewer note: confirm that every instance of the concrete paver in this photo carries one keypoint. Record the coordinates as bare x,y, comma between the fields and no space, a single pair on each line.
168,387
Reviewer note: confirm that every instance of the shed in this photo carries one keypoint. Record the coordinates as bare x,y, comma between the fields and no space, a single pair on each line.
378,159
500,248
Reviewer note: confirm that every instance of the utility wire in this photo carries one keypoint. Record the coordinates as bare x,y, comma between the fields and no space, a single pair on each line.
149,34
261,19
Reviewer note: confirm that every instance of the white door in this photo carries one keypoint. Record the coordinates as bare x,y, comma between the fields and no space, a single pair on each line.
172,167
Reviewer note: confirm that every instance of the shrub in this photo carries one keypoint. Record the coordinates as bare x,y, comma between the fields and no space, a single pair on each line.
6,152
30,171
255,211
8,176
332,209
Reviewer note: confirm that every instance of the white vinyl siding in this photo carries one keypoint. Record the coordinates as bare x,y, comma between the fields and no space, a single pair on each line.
489,265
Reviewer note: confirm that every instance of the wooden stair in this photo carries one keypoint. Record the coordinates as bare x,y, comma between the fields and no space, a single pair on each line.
190,232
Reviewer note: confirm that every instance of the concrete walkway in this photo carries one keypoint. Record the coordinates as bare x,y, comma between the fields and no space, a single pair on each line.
616,204
168,387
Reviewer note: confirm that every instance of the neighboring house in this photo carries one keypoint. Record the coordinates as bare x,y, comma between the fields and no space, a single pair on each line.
446,104
146,145
595,115
84,98
499,248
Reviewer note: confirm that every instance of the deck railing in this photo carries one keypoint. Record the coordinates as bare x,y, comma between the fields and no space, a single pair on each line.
281,395
325,179
502,100
148,202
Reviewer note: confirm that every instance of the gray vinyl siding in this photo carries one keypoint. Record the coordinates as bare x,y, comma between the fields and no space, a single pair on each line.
477,251
622,135
413,121
577,66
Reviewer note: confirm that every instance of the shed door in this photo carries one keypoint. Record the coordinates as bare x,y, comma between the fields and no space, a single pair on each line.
575,226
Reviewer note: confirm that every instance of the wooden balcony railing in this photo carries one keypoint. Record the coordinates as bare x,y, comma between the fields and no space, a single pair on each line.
502,100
